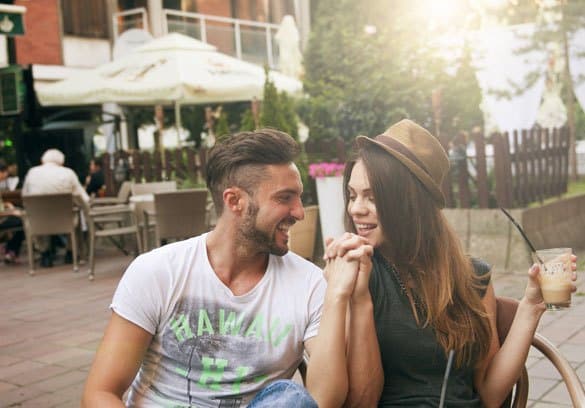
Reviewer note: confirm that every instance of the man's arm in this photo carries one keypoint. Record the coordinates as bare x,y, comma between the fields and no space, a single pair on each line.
116,363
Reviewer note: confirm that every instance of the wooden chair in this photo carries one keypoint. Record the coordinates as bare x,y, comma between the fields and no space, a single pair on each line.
49,214
303,233
179,214
506,310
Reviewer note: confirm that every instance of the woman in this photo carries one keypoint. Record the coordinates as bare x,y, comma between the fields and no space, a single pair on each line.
429,299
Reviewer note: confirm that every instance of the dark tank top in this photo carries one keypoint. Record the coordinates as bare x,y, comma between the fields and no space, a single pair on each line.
413,362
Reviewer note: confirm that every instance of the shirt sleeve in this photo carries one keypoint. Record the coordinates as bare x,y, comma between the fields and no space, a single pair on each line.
316,298
482,271
140,293
78,189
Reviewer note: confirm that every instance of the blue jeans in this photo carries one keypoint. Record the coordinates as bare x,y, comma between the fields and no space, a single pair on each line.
283,393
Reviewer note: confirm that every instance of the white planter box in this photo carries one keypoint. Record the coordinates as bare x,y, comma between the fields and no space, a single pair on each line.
331,206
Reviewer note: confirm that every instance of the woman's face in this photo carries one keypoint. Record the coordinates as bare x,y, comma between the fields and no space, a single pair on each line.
361,206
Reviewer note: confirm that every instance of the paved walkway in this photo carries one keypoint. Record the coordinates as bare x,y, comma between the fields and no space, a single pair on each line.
50,326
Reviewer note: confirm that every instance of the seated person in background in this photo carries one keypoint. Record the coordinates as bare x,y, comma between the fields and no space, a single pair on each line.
11,230
49,178
95,182
4,185
13,179
10,226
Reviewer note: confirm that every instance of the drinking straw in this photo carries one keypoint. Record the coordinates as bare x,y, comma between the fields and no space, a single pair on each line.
523,235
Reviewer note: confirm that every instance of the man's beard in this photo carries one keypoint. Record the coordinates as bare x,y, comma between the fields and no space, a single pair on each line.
261,241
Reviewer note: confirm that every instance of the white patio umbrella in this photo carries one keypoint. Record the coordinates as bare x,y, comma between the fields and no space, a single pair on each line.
174,69
167,69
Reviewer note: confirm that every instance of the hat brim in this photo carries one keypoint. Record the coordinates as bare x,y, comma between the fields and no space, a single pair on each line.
414,168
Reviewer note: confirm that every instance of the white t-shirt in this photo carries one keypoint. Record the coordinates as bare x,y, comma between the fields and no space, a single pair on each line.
209,346
50,178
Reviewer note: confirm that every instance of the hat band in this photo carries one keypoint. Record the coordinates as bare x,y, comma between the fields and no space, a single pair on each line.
403,150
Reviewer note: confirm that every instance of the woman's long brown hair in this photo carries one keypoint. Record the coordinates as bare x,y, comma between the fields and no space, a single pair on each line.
420,243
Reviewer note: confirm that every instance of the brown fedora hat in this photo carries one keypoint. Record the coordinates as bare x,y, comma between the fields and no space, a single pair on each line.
416,149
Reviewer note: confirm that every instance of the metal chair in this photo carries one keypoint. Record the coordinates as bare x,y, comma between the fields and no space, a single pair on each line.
303,233
179,214
49,214
108,222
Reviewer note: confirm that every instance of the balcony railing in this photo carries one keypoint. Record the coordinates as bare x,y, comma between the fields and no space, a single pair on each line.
125,20
251,41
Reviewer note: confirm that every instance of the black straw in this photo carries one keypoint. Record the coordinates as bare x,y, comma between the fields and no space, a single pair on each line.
523,234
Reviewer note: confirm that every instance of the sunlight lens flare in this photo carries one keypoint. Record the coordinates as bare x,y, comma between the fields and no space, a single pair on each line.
441,13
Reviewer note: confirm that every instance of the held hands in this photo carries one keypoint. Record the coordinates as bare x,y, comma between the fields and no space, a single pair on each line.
533,293
348,266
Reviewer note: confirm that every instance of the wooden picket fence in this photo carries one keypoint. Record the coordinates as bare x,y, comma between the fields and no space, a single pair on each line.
526,166
144,166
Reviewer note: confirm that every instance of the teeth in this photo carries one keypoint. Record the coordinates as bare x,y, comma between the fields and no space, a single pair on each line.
364,226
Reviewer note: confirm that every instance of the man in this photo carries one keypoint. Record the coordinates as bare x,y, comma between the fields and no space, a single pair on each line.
49,178
212,320
94,182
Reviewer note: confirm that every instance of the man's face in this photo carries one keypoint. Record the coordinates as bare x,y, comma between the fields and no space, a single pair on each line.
3,175
275,207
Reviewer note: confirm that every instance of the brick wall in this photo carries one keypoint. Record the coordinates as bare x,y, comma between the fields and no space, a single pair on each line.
218,34
41,43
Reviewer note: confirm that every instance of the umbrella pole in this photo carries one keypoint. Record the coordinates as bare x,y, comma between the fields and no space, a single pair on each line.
178,122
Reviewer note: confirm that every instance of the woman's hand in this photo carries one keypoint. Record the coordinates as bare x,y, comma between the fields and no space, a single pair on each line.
350,248
533,293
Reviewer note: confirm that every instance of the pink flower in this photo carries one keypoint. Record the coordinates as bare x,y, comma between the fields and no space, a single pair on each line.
318,170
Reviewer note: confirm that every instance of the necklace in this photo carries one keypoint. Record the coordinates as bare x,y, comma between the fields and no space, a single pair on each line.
390,268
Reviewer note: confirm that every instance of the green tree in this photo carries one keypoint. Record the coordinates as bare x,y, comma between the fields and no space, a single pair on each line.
271,114
277,111
222,128
461,99
555,23
370,63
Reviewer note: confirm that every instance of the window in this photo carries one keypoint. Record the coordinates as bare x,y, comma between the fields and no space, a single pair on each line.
85,18
182,5
130,4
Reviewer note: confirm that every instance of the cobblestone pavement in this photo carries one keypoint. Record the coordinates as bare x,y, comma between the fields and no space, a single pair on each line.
51,324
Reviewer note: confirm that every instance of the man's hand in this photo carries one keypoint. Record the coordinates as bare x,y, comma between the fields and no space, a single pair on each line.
340,253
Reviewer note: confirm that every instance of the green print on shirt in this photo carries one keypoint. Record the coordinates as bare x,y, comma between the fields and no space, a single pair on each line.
212,374
181,328
275,333
215,375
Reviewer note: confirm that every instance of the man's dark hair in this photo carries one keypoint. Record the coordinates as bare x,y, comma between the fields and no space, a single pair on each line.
240,159
98,162
3,165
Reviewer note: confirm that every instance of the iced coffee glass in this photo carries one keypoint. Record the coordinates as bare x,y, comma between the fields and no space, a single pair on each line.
555,277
